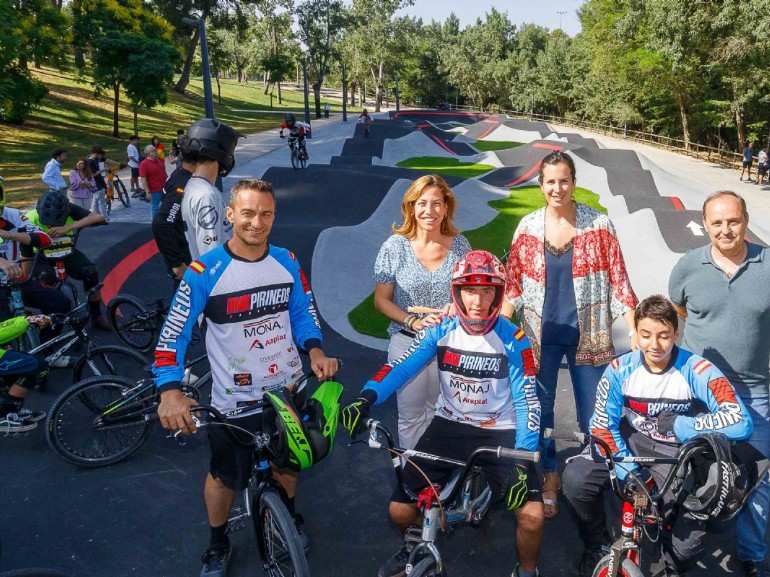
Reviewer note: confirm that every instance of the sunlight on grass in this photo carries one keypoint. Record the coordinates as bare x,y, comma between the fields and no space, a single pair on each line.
448,166
495,237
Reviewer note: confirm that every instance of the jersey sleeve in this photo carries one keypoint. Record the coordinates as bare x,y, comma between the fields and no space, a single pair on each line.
302,311
209,222
608,413
188,303
166,232
395,374
523,382
727,413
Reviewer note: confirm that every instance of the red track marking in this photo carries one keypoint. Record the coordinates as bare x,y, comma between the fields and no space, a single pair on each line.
495,124
547,146
676,202
447,113
444,146
525,177
424,125
114,281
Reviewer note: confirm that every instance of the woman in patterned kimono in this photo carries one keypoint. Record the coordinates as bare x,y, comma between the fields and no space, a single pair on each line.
414,268
567,283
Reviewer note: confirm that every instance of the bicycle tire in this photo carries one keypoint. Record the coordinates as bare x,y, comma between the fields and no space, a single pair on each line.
426,568
79,432
35,572
627,568
294,159
278,539
70,290
120,188
138,333
111,360
303,161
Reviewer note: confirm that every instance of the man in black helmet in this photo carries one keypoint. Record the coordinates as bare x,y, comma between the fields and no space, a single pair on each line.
296,130
211,145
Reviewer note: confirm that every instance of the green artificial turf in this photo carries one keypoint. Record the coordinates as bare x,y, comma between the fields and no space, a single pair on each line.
495,237
448,166
487,145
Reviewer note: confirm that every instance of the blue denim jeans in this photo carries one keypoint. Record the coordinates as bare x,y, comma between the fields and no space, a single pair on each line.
155,200
584,380
752,520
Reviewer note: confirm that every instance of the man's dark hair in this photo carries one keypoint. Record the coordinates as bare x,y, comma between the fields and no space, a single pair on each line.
133,137
250,184
179,131
57,152
96,149
657,308
720,194
557,157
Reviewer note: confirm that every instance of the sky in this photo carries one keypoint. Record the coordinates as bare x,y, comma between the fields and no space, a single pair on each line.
542,12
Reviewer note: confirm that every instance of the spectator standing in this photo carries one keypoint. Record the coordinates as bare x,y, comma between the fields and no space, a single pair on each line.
414,268
176,151
567,283
96,163
212,145
159,148
82,185
761,166
132,151
152,171
723,292
748,158
168,225
52,173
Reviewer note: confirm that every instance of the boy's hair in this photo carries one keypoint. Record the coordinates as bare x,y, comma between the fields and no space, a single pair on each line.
133,137
58,152
657,308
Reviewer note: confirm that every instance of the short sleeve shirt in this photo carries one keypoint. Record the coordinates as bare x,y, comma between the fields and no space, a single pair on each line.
132,150
728,318
397,264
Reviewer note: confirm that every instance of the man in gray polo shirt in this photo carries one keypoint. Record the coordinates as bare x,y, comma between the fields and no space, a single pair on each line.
723,291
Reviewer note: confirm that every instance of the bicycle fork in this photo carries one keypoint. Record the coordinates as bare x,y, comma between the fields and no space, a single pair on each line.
627,545
424,538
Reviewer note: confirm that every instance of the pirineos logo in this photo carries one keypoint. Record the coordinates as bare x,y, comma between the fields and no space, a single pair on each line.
489,365
267,300
176,319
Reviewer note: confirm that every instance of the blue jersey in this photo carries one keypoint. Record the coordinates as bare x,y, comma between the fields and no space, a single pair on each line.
690,386
486,381
255,313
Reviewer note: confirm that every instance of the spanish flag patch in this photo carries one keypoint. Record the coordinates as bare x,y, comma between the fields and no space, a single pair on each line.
198,266
701,366
615,363
520,334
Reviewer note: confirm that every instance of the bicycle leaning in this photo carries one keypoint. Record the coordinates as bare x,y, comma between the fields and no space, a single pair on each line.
465,498
641,516
137,323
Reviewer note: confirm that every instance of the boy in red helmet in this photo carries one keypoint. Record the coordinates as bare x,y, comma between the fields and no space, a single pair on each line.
488,397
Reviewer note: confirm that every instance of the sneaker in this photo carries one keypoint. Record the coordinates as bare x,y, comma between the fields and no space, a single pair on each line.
396,565
755,568
215,561
584,567
298,522
516,571
30,416
12,423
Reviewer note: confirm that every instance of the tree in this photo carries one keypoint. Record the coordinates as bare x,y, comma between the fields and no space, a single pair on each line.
142,66
43,31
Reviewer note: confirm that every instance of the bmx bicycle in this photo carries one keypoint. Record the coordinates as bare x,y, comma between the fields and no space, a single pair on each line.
299,156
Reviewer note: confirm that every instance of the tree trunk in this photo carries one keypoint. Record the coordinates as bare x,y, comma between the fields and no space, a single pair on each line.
278,84
317,97
23,62
184,79
378,98
115,105
740,124
80,58
219,88
267,82
136,118
352,94
680,100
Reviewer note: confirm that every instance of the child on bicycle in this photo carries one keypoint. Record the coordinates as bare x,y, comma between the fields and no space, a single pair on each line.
297,130
366,119
487,380
664,391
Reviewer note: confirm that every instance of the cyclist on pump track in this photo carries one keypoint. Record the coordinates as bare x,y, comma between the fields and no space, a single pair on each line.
296,130
668,396
59,219
488,397
259,310
366,119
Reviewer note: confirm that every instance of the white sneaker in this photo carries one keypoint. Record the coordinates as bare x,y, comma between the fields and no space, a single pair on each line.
12,423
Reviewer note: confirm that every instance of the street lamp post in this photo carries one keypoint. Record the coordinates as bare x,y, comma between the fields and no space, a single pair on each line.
307,96
398,100
560,13
344,95
208,96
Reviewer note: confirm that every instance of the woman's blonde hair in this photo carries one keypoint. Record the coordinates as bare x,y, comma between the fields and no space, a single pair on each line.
413,193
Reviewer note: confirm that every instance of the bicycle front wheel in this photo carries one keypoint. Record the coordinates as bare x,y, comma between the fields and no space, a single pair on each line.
627,568
278,539
96,422
294,159
122,193
111,360
134,325
426,568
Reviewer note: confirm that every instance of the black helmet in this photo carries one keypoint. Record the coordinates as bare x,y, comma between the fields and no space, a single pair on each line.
53,208
214,140
289,117
717,478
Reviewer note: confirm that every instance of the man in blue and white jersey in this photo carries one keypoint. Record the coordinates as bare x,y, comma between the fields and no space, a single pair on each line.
259,310
487,398
668,396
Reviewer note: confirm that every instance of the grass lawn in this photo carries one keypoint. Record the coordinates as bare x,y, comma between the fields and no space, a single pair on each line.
73,118
495,237
487,145
448,166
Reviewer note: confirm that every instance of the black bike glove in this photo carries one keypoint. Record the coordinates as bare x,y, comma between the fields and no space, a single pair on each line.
515,489
354,416
666,423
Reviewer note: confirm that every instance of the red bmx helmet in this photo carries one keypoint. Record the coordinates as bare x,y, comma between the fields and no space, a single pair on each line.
478,267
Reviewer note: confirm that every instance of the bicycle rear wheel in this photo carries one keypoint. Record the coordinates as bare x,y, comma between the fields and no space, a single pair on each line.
294,159
121,191
133,324
111,360
426,568
278,539
627,568
303,159
96,423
